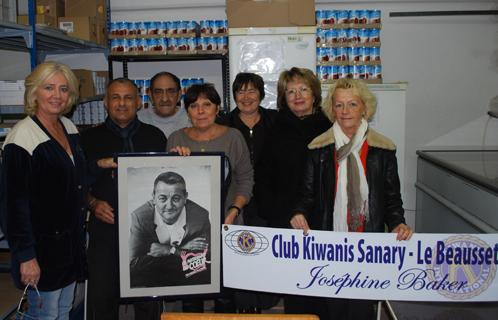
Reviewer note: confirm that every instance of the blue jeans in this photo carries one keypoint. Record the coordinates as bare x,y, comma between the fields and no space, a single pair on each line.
50,305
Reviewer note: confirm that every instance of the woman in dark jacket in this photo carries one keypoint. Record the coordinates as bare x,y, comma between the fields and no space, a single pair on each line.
299,120
255,123
351,182
279,173
44,176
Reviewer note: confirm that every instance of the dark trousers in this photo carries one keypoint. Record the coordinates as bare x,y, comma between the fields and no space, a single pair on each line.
345,309
103,280
328,308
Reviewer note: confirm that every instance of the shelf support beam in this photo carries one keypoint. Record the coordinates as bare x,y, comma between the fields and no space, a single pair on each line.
33,54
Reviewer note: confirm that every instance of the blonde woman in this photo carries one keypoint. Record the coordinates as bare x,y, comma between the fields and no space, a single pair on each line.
44,178
351,182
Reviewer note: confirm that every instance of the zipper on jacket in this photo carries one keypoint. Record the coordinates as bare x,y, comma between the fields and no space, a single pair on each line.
321,187
251,147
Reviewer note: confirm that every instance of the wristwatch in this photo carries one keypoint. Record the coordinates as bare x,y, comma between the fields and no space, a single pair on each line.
239,210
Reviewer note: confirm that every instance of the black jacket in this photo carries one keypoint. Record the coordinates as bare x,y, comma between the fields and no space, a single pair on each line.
255,139
317,193
45,204
279,173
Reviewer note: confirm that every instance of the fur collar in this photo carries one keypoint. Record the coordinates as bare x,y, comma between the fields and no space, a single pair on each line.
374,139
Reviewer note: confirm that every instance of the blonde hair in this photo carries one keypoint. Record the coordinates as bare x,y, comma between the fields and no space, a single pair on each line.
308,78
359,88
39,75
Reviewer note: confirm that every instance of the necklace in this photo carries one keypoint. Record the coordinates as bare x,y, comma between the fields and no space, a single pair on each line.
203,145
203,139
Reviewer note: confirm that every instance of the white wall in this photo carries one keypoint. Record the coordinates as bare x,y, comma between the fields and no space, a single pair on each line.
450,64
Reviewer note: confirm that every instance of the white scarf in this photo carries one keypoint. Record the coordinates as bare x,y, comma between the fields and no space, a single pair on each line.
341,198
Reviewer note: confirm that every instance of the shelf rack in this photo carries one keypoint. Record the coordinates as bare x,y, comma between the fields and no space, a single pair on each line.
44,40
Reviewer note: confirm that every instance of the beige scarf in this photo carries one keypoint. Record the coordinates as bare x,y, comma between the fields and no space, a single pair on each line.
352,187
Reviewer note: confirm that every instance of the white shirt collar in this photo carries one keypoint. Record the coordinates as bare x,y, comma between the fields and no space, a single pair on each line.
170,233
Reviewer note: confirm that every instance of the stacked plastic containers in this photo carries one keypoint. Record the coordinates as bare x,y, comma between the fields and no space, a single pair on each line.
89,113
213,36
167,37
348,45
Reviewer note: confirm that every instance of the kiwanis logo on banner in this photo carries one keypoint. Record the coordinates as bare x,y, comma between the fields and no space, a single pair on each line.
428,267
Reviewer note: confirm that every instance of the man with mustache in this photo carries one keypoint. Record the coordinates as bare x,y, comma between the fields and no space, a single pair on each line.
169,237
166,112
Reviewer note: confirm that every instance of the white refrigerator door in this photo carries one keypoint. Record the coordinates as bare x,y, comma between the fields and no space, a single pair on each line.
269,51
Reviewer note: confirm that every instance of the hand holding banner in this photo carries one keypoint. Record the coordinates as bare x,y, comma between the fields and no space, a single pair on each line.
429,267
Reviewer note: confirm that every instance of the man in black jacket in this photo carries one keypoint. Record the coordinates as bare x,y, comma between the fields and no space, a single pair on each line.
121,132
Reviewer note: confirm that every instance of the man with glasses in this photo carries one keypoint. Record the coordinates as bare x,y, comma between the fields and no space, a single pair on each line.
166,112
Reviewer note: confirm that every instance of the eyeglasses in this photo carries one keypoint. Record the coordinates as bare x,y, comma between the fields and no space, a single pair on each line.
303,91
21,308
168,91
350,105
248,92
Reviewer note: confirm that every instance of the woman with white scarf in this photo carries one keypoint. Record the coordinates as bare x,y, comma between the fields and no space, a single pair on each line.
351,182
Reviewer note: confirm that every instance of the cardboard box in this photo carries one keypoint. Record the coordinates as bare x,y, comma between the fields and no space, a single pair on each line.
80,27
101,30
40,19
270,13
54,8
92,8
85,77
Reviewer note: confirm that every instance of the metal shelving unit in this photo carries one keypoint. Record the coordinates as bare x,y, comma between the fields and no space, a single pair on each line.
39,41
125,59
42,41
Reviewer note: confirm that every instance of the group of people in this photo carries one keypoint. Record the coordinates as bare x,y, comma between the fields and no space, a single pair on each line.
309,165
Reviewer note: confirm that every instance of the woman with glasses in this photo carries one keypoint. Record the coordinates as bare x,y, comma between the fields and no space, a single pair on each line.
255,123
278,174
351,182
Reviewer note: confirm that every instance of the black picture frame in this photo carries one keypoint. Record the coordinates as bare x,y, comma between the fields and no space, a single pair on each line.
185,272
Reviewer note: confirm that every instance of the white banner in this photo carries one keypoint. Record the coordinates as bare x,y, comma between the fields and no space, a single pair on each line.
428,267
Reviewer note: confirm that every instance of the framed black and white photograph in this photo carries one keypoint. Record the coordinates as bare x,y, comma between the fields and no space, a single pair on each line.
169,222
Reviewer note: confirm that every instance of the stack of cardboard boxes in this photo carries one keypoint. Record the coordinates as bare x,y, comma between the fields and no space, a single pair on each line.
85,19
47,12
92,83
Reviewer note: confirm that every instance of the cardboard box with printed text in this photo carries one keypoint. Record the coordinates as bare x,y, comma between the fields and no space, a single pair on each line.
79,27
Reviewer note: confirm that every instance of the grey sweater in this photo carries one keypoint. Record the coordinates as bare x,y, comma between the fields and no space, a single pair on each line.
233,145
